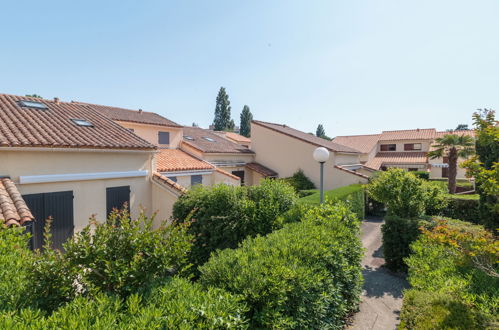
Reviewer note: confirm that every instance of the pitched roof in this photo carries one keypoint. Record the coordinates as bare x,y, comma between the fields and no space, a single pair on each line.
170,160
351,171
408,134
362,143
13,209
408,158
305,137
134,116
168,182
54,126
259,168
465,132
199,138
237,137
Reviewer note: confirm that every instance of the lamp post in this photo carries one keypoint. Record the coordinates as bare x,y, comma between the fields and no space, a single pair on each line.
321,155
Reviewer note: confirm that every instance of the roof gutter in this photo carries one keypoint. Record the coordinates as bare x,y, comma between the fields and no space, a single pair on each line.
45,149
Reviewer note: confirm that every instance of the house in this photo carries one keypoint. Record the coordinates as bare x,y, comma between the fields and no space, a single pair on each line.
407,149
68,161
181,166
285,150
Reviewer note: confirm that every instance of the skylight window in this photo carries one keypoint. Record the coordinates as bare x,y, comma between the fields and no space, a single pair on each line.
208,139
82,122
187,137
32,104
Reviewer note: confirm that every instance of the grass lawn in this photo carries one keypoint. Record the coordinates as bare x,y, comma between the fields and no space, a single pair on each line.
469,197
339,193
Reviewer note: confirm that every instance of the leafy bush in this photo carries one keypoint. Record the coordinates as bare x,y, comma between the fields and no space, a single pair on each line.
306,275
353,194
398,234
14,260
463,207
422,175
176,304
222,216
120,256
300,181
430,310
458,259
405,195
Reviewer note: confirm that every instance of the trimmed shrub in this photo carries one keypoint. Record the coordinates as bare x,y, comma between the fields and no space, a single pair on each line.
353,194
306,275
398,234
222,216
176,304
422,174
405,195
457,259
463,207
299,181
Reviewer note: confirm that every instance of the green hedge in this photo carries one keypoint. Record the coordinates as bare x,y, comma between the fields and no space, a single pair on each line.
222,216
353,194
398,235
177,304
422,174
299,181
306,275
463,207
453,272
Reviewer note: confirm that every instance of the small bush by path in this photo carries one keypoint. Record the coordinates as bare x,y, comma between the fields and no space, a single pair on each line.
455,263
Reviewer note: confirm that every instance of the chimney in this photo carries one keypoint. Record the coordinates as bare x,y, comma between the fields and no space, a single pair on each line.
140,111
56,100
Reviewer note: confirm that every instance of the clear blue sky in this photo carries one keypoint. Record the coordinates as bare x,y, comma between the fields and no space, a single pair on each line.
357,66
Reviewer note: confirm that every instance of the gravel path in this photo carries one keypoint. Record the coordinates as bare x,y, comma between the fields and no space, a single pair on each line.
382,294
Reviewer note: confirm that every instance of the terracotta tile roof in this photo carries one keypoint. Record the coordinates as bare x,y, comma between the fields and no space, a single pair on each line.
13,209
362,143
170,160
467,133
169,183
408,134
237,137
383,158
195,137
305,137
351,172
230,175
265,171
53,127
134,116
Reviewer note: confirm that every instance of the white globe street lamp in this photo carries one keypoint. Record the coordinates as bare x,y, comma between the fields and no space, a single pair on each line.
321,155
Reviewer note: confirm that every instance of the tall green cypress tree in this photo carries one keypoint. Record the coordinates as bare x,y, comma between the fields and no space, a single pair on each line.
320,132
246,118
222,111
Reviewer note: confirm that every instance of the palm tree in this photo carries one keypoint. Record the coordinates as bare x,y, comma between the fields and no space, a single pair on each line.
453,147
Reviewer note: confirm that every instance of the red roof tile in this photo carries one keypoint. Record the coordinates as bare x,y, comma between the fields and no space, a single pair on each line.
170,160
134,116
305,137
13,209
259,168
237,137
199,138
408,134
393,158
168,182
351,172
54,127
362,143
230,175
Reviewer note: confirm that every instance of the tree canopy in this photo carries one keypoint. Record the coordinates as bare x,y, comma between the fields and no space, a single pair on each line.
246,118
223,121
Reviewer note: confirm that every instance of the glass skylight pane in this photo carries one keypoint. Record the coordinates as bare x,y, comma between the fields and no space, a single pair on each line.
208,139
82,122
32,104
187,137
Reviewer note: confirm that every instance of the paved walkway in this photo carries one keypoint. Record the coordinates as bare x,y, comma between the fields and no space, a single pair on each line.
382,294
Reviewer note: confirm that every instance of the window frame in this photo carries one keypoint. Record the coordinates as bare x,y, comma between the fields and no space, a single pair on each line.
412,146
388,147
196,182
163,134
